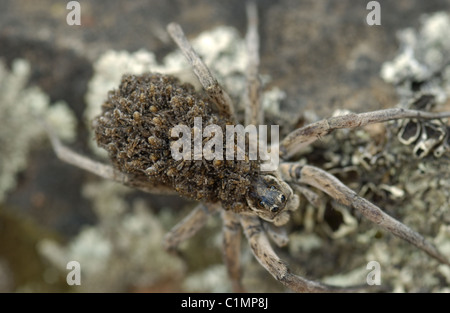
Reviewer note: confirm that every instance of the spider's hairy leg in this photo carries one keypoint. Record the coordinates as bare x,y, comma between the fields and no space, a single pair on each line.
207,80
265,255
188,226
311,196
232,248
253,111
67,155
306,135
329,184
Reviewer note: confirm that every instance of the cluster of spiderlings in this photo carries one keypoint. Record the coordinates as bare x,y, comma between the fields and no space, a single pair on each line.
135,128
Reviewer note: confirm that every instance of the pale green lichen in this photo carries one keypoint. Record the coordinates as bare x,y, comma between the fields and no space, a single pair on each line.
416,192
20,129
424,54
211,279
123,251
303,242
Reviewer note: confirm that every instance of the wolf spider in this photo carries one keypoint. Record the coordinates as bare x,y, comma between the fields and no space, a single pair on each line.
270,198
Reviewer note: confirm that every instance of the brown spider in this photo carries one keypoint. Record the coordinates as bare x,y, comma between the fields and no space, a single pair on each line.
134,128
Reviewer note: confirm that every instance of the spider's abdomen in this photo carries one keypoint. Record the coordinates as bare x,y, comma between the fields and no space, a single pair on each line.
135,128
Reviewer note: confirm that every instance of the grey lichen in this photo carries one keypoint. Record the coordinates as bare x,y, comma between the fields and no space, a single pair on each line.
123,251
381,168
211,279
424,59
21,108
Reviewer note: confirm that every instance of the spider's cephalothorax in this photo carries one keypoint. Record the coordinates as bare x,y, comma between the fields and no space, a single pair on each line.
135,128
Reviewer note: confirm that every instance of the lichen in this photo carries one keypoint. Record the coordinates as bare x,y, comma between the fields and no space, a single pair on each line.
377,165
424,54
123,251
211,279
21,108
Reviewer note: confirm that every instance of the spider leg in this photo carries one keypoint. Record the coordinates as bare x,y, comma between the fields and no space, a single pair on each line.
306,135
265,255
106,171
311,196
254,114
207,80
277,234
329,184
232,248
188,226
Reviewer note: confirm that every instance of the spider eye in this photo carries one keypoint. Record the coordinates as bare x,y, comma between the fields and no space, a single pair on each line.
261,203
282,198
272,188
274,209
